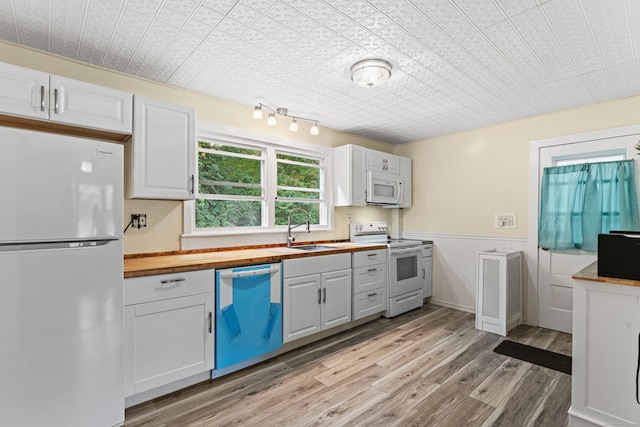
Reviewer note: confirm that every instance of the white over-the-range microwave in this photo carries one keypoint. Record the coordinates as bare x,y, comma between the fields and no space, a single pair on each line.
384,189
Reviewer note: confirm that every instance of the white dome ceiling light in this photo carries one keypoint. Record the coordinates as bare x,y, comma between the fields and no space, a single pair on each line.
370,72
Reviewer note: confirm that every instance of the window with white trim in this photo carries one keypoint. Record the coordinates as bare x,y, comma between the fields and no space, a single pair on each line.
251,186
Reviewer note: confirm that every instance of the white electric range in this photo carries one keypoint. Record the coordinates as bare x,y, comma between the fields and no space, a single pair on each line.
405,273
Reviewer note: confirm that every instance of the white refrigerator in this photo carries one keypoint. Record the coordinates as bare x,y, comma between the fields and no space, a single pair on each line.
61,260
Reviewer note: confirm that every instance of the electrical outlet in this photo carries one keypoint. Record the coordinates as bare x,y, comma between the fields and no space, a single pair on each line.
138,220
505,220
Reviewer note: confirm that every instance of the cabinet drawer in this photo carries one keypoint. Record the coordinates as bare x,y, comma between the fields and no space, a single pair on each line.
366,258
368,303
164,286
369,278
315,264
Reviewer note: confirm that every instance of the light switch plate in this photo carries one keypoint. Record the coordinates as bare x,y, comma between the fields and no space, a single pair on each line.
505,220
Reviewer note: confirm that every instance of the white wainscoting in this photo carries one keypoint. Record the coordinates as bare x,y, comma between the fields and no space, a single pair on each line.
455,263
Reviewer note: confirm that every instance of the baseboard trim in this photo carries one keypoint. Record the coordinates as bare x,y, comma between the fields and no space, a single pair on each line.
454,306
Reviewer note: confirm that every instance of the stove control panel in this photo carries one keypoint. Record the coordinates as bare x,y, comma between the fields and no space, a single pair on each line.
361,229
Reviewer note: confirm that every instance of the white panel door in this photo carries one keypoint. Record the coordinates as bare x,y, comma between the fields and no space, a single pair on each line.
336,298
161,155
301,312
168,340
88,105
555,268
24,92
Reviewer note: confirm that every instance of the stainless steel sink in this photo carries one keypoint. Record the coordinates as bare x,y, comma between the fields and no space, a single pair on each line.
313,247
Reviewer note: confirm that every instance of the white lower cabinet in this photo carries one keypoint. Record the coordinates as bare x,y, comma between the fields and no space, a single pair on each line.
316,294
169,331
369,283
606,345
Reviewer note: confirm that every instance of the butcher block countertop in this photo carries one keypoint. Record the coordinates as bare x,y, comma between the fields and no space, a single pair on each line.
136,265
590,272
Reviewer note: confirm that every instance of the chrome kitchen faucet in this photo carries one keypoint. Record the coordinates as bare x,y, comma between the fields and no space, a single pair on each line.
291,239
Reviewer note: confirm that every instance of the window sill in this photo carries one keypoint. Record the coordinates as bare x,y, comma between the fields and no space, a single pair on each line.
243,237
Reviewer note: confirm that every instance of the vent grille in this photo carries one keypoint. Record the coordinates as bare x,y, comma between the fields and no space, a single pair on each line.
491,288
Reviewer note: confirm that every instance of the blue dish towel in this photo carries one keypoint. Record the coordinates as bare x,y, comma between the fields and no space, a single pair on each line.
274,310
231,321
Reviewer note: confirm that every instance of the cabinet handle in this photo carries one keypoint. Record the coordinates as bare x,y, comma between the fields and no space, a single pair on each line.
638,371
324,295
42,98
210,322
193,186
55,101
372,255
424,273
371,270
372,295
319,296
173,281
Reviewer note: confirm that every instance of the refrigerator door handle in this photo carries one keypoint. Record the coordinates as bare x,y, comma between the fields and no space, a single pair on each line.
47,246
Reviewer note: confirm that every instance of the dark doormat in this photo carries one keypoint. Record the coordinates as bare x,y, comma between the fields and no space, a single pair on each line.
534,355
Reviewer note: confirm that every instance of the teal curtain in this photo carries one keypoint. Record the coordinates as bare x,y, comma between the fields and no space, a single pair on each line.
577,202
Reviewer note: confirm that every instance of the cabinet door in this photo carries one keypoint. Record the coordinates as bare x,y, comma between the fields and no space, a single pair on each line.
167,340
350,162
427,274
161,154
605,353
405,173
301,312
88,105
336,298
379,161
24,92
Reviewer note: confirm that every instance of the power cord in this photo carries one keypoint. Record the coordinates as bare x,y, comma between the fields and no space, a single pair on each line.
128,225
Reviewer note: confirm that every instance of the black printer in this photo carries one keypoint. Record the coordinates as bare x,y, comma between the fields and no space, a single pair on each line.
619,254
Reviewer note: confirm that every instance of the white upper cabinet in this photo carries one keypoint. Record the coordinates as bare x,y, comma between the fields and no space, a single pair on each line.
35,94
350,175
377,161
24,92
351,164
160,158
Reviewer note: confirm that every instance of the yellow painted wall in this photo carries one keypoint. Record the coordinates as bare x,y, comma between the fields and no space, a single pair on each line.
165,217
461,180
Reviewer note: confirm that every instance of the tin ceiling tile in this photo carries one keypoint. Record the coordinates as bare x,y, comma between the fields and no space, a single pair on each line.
457,64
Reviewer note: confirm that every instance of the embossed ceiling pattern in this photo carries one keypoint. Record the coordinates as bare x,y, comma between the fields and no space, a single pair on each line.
458,64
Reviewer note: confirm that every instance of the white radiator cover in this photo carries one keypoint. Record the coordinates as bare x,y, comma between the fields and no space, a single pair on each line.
499,292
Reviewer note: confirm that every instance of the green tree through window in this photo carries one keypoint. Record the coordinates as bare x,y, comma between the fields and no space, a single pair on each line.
233,186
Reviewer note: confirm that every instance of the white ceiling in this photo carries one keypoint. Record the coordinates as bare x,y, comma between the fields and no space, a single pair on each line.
457,64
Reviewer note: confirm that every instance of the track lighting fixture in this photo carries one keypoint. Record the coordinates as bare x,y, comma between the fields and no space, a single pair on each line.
293,127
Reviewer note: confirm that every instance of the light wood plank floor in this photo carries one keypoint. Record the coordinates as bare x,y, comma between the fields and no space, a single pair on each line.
428,367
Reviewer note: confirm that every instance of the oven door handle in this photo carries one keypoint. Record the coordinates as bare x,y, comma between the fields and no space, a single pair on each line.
405,251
